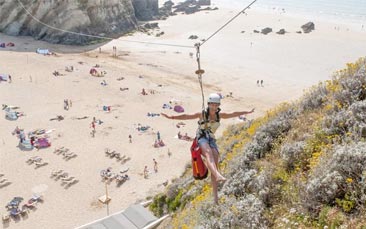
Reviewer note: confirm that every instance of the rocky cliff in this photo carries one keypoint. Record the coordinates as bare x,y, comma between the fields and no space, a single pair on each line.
110,18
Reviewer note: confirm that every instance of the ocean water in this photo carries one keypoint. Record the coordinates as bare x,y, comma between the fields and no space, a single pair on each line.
347,10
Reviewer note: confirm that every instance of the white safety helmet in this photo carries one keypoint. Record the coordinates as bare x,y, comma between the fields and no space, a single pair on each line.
214,98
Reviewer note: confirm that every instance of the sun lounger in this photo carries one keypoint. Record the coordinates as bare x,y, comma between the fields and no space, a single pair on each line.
56,172
24,211
59,149
125,160
14,203
124,171
65,174
40,164
32,202
15,212
69,183
69,156
117,155
120,179
67,179
34,159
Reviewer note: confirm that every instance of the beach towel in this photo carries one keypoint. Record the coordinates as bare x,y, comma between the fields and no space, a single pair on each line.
11,115
178,109
93,71
42,143
4,77
43,51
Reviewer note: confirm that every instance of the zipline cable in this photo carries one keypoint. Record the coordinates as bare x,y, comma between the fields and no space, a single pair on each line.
200,71
95,36
228,22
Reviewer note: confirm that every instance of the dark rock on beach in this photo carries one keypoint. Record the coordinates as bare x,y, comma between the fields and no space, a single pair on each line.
266,30
308,27
281,31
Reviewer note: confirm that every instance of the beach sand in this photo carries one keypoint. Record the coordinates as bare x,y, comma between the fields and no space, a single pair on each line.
233,62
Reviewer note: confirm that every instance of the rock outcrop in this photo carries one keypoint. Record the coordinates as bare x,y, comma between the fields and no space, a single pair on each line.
281,31
308,27
266,31
146,9
110,18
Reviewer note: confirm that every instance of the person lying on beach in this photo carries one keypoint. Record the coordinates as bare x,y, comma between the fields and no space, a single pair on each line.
209,122
58,118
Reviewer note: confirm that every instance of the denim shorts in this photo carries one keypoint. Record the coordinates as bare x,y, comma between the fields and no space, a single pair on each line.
211,142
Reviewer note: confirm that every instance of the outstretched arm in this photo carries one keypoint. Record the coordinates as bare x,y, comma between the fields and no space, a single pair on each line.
183,116
235,114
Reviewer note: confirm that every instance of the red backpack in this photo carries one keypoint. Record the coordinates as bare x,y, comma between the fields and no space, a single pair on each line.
200,170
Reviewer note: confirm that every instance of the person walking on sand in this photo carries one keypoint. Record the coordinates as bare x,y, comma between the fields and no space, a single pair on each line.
209,122
146,172
155,165
261,83
169,153
158,136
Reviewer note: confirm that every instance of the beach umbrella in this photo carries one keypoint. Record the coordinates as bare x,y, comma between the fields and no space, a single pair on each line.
39,189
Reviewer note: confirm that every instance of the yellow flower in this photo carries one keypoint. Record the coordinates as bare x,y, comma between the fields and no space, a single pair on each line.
349,180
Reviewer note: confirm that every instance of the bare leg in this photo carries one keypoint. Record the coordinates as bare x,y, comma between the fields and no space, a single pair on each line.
213,180
211,164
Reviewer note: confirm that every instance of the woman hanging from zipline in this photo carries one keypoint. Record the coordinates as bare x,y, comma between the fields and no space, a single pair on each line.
209,122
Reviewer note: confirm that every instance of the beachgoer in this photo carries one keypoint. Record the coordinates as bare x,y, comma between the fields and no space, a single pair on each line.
262,83
258,83
169,153
92,125
155,165
70,103
130,138
158,135
146,172
10,79
208,124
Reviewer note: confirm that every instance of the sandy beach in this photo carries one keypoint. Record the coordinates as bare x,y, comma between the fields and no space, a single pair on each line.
233,62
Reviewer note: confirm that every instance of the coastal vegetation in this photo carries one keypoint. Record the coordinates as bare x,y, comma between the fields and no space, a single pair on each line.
302,165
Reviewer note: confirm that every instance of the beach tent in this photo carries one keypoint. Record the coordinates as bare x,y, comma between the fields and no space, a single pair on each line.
43,51
134,217
178,109
4,77
25,145
11,115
